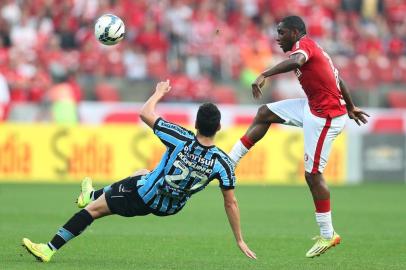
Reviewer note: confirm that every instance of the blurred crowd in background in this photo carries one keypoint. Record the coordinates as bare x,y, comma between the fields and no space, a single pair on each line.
208,49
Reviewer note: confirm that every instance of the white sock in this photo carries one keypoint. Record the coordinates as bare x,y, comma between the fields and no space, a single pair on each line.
238,151
325,224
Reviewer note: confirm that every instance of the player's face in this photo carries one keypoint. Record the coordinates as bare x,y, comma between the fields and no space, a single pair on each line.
286,37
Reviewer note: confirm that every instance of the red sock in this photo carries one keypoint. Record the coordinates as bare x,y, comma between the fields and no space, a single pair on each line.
247,142
322,206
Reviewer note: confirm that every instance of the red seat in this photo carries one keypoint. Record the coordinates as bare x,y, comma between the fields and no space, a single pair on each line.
200,89
400,66
364,74
107,93
224,94
382,70
180,83
397,99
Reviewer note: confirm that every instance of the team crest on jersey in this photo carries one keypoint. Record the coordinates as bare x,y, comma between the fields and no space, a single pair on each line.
306,158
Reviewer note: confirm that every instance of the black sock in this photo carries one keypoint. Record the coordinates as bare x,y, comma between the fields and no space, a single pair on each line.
97,193
75,226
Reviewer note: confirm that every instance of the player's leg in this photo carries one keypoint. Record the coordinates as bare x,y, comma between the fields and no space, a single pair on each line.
321,196
79,222
319,134
289,112
88,193
72,228
120,198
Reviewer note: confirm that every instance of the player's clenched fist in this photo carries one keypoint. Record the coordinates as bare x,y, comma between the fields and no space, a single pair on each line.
163,87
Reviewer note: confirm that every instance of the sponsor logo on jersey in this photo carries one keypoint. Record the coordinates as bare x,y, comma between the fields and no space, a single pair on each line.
178,129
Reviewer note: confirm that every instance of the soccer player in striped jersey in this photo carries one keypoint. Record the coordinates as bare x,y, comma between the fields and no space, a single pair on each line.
188,165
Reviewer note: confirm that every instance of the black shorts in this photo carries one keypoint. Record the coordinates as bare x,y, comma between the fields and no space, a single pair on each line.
123,198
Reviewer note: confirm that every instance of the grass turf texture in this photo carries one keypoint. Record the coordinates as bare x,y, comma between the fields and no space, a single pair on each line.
278,223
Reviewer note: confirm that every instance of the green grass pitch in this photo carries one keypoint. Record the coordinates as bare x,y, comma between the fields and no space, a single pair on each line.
278,223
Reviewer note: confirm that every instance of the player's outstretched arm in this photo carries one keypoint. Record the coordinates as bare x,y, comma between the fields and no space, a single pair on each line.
295,61
354,112
233,214
148,113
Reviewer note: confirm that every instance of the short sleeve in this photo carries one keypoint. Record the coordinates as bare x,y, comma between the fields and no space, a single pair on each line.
303,48
226,174
171,134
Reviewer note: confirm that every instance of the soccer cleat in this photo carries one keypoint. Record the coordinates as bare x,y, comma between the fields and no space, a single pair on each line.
40,251
86,191
322,245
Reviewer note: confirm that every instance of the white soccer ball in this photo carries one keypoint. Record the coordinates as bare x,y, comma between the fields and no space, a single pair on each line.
109,29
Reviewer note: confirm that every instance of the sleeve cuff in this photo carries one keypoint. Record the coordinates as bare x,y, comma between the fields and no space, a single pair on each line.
227,187
302,52
156,123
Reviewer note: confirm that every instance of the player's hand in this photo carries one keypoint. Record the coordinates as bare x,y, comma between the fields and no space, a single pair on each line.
163,87
246,250
257,85
358,115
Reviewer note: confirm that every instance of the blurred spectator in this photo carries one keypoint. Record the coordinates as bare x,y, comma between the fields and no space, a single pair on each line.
135,63
177,18
4,34
4,97
63,105
23,35
151,38
198,42
11,12
256,55
370,9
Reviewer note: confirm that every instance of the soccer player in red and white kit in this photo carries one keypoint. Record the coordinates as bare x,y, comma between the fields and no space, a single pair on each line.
322,115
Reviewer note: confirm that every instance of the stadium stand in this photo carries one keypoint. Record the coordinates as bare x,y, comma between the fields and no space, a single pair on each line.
200,45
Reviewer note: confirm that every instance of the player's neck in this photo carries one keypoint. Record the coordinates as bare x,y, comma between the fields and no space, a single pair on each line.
300,37
205,141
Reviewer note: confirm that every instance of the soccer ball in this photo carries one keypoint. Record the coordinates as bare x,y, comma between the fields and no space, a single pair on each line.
109,29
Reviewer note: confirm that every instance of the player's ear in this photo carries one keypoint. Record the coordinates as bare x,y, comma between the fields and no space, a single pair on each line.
219,127
295,32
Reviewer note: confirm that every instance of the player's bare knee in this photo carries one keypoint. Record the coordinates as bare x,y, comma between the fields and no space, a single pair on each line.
93,210
316,181
97,212
263,114
98,209
308,178
312,179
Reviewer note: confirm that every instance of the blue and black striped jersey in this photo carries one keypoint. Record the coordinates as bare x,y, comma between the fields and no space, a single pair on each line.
185,168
